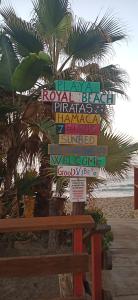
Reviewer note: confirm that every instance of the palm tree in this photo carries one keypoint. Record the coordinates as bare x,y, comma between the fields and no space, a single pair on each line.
55,45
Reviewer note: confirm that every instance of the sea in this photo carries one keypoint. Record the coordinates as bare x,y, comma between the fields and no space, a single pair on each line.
117,187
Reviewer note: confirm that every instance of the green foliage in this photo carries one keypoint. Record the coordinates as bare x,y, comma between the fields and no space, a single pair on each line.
8,62
26,40
25,184
97,215
30,69
120,151
91,40
48,127
99,218
50,15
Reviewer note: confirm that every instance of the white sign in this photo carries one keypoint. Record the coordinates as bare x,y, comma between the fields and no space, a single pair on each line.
77,189
74,171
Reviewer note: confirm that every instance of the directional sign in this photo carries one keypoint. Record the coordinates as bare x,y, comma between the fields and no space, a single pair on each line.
55,96
77,118
78,129
77,189
77,86
77,108
87,161
67,171
101,98
56,149
77,139
77,97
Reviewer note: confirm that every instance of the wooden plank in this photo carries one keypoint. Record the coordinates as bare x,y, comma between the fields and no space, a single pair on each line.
77,108
43,265
77,118
77,86
78,139
73,171
135,187
96,266
77,97
79,150
86,161
78,129
78,248
45,223
69,298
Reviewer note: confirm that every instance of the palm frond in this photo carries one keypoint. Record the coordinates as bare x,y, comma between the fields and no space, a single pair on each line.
111,77
31,68
93,41
8,62
111,29
49,14
47,126
25,38
120,151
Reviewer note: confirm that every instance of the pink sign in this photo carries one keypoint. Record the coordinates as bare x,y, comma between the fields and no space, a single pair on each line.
78,129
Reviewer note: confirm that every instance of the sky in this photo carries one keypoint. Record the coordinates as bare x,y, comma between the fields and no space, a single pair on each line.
125,53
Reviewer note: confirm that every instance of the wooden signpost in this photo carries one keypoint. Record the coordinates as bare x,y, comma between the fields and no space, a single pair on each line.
86,161
77,139
73,171
78,129
77,118
77,86
78,189
78,98
56,149
77,108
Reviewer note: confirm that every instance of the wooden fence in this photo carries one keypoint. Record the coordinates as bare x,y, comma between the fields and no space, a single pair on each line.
77,263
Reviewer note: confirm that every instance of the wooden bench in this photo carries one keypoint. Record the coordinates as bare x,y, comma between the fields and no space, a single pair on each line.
77,263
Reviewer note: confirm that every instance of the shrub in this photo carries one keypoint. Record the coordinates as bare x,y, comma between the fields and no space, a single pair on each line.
99,218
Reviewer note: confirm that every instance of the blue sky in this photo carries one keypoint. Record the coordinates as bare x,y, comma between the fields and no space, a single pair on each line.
125,54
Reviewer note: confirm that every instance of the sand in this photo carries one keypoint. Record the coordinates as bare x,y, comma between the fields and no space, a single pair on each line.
120,207
113,207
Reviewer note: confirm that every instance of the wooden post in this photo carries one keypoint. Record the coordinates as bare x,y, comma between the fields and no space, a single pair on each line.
96,261
77,278
135,187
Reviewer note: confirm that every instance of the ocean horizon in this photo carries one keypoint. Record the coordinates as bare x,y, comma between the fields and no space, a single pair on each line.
117,187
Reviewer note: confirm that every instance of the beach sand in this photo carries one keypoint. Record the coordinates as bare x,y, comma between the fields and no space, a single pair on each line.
119,207
112,207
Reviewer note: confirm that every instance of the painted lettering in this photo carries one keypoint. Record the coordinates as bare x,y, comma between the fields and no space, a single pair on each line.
73,171
84,150
77,118
78,129
77,139
78,97
77,86
87,161
84,108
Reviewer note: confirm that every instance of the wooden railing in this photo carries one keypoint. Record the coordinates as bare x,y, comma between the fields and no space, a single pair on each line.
77,263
